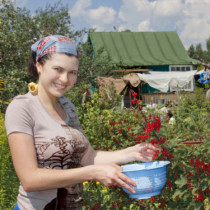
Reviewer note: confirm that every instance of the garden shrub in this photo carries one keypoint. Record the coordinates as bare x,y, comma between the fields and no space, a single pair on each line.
187,185
9,180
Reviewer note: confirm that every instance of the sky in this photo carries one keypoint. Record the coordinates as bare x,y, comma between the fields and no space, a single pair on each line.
190,18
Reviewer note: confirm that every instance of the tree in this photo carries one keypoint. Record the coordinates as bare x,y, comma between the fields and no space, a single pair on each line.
15,39
92,66
18,30
208,50
191,51
199,52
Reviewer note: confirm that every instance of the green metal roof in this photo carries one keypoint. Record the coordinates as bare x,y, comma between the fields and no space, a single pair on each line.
141,48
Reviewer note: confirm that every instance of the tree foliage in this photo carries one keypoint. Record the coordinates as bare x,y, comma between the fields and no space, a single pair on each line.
18,30
198,53
92,66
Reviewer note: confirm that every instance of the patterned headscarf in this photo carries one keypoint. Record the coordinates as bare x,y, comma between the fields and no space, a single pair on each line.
54,44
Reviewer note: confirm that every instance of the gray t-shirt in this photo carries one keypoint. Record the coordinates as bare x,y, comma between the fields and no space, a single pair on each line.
58,144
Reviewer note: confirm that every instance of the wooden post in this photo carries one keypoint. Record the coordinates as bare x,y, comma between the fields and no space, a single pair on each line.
129,89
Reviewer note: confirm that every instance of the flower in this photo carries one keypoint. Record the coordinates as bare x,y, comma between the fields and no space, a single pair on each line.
200,197
134,94
120,130
33,87
113,205
170,156
192,162
164,151
197,163
112,123
190,186
155,155
133,102
84,183
154,141
189,174
169,184
162,140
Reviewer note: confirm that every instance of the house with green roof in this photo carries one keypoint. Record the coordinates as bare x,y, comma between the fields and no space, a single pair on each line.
156,51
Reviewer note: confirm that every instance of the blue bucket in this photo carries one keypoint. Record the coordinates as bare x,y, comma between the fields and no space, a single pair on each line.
149,177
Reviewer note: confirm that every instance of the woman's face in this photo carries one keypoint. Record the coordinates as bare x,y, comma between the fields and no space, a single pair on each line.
58,74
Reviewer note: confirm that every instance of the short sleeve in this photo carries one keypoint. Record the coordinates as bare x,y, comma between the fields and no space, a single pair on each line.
18,118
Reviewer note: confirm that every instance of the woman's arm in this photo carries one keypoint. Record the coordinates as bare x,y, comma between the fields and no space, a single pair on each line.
33,178
105,173
140,152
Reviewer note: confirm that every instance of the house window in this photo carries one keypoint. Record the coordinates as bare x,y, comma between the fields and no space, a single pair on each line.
182,68
188,68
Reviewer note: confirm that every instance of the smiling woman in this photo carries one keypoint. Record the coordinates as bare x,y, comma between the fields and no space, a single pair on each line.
47,143
57,75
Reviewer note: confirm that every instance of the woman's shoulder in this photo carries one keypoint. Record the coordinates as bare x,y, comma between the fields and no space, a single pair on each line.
21,101
25,97
19,115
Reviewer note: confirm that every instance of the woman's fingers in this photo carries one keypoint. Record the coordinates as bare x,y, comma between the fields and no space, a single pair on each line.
154,147
124,181
113,176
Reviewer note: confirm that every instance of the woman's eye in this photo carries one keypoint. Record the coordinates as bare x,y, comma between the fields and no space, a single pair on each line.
58,69
74,73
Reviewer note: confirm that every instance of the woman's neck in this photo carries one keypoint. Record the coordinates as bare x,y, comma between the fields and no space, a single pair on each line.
47,100
52,105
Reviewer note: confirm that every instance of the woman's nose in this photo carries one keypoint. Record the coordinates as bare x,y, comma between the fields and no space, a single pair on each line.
64,77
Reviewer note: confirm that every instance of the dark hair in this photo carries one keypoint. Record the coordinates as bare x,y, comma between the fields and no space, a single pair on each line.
32,70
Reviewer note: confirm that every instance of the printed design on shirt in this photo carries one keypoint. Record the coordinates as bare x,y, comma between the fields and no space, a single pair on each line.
61,152
68,156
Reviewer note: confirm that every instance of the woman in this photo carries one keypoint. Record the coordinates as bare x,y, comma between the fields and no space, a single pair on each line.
51,154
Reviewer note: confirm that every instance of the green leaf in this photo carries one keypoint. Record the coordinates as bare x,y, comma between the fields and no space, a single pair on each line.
181,182
177,193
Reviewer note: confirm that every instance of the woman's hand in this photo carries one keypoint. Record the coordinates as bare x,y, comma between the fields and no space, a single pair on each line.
144,151
110,174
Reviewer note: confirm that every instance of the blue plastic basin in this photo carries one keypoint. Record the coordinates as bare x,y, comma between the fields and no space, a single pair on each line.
149,177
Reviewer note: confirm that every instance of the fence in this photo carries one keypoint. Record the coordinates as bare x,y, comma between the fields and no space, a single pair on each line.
160,98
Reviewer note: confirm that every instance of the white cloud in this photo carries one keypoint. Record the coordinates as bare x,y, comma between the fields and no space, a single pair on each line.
165,8
158,14
99,18
102,15
195,25
80,8
134,7
144,26
134,15
190,17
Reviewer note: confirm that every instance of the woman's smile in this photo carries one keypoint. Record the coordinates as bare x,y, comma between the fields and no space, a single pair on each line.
59,86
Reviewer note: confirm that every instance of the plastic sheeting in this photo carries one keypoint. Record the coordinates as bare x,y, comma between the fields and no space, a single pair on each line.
105,83
165,80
